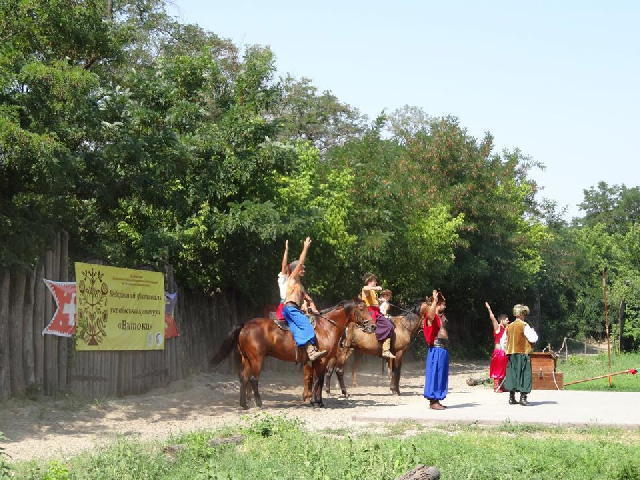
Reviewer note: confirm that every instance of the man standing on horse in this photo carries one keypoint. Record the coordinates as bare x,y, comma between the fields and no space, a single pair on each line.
299,324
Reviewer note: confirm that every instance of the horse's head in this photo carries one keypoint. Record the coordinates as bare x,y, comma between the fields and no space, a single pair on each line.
360,314
420,308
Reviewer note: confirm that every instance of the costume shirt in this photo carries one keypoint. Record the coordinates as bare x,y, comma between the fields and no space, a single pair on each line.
431,331
282,286
497,337
369,297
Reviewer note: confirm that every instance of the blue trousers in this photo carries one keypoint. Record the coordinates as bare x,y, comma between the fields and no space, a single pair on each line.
436,375
299,325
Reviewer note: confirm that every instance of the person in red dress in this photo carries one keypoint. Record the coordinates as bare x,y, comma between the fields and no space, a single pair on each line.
498,365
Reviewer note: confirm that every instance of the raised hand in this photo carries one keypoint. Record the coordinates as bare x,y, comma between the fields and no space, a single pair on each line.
307,242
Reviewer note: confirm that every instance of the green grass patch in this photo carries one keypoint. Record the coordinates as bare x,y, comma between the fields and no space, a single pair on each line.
278,447
579,367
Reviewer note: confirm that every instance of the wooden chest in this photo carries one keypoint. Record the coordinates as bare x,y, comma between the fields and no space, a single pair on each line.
543,371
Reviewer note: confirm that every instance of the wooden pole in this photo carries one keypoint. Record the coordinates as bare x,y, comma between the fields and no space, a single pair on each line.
606,316
5,355
596,378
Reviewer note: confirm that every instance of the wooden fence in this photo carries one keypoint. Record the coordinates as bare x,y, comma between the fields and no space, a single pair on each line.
32,363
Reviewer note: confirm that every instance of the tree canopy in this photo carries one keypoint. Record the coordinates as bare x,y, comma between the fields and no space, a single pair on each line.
154,142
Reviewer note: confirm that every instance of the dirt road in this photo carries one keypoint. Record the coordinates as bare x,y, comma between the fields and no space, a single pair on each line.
62,427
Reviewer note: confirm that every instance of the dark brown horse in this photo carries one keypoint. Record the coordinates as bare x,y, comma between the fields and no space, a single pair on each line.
404,329
261,337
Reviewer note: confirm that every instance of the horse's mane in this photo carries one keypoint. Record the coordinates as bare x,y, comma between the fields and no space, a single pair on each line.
415,308
342,304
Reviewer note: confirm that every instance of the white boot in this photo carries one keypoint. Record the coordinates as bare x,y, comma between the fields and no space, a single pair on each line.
313,353
386,349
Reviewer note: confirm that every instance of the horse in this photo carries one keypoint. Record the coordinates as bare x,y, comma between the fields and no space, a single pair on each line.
261,337
404,328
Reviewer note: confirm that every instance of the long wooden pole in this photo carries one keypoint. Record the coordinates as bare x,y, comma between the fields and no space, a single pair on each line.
606,316
599,376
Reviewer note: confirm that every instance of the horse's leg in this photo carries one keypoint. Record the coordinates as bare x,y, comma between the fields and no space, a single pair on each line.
256,368
340,362
244,375
319,370
331,366
354,367
395,377
308,383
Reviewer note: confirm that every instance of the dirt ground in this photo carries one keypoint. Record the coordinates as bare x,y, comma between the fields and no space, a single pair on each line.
63,427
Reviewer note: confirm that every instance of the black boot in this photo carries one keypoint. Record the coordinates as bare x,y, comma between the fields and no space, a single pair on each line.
512,398
523,399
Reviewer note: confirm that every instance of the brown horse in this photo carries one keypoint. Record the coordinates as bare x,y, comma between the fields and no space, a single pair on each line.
261,337
404,329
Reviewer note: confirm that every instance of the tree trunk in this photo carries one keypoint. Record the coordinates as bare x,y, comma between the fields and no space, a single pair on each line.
421,472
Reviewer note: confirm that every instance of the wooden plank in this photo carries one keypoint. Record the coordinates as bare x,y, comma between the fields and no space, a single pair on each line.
5,355
39,324
18,286
50,347
63,342
545,380
27,331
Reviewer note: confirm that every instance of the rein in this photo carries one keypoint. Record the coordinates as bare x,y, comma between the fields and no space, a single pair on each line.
400,308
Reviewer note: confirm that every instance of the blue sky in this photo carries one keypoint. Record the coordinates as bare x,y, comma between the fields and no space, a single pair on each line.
559,80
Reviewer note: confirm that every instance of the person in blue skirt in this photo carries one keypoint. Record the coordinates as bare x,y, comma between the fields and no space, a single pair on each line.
295,294
436,375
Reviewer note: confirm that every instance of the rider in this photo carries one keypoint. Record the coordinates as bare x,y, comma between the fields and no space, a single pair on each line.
436,375
498,365
385,298
299,324
283,275
384,326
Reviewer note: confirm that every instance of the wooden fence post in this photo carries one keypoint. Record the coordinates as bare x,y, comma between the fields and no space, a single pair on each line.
39,322
27,331
18,283
63,342
5,355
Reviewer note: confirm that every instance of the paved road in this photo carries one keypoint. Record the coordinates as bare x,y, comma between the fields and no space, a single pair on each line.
477,404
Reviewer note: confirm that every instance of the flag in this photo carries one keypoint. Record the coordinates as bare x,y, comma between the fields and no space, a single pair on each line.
170,329
63,322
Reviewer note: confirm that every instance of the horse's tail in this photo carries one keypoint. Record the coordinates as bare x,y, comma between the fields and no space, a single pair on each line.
227,345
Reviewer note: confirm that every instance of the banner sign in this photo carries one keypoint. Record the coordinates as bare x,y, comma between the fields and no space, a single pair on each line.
170,329
119,308
63,322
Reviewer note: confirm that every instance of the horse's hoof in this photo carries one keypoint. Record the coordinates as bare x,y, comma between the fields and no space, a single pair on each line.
244,407
345,396
317,405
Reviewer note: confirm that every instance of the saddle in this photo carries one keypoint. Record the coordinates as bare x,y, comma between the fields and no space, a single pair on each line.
283,325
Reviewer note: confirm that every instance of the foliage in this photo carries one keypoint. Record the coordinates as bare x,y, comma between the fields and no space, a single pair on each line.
289,451
154,142
580,367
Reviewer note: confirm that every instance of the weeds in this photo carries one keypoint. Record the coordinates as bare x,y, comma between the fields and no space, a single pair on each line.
279,447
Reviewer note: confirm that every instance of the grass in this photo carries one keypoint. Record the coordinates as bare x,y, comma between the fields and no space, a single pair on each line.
278,447
578,367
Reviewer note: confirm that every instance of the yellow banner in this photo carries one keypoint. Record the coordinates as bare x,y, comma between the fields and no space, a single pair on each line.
119,308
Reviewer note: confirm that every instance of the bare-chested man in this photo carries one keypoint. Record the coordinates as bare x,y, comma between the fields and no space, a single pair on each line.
303,333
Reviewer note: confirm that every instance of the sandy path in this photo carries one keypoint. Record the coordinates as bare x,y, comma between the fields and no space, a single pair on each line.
62,427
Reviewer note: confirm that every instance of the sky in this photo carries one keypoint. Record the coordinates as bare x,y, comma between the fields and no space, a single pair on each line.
558,80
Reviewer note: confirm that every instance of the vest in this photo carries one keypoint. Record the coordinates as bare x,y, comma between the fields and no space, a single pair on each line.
516,341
